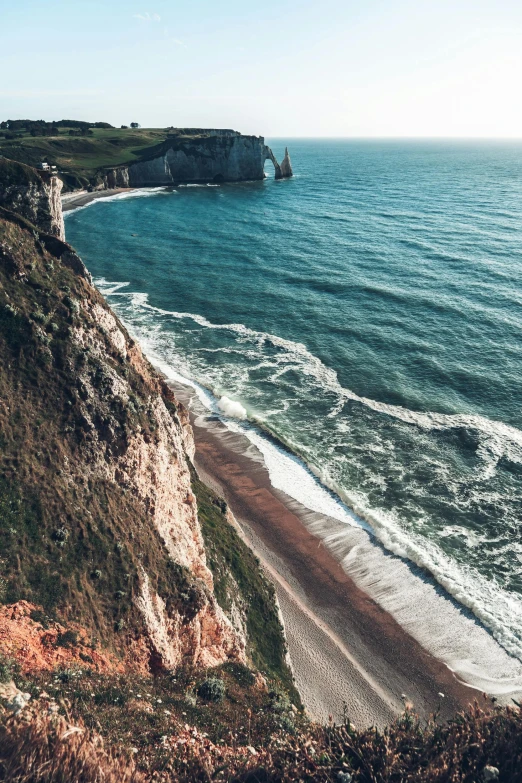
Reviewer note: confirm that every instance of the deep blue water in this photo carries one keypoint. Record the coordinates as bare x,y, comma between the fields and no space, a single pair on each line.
368,312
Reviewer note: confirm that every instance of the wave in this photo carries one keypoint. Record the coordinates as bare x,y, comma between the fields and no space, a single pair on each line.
317,490
137,193
199,185
496,439
435,621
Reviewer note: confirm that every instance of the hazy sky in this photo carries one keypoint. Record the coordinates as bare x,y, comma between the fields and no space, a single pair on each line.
275,68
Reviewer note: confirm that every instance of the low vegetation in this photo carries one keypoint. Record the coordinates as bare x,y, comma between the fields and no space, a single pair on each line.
82,151
239,583
223,741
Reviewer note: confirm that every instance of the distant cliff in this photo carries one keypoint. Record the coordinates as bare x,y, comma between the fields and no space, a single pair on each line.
123,157
213,156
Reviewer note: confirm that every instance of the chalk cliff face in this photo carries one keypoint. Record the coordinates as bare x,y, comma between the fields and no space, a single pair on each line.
94,454
286,165
212,156
105,526
34,195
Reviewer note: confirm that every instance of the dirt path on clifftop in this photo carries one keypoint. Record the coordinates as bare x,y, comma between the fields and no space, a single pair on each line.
344,647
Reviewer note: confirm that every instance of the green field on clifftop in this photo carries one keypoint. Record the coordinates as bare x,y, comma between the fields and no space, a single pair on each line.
79,158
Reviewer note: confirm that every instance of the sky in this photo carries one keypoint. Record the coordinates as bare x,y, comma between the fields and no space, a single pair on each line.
287,68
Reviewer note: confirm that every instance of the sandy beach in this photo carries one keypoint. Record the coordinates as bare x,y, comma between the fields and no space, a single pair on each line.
83,197
344,648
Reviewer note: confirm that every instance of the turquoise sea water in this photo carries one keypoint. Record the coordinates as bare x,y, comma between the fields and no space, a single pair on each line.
368,314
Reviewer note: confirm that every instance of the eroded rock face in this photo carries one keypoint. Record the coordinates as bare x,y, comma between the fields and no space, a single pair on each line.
216,156
34,646
221,158
118,178
155,472
281,170
112,464
34,195
286,165
207,640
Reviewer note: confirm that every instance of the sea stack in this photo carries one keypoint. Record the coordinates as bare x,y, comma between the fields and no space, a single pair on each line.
286,165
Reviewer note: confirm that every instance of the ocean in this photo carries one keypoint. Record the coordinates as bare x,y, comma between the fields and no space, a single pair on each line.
361,323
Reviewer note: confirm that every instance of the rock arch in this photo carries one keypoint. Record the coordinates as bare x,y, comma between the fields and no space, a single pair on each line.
285,169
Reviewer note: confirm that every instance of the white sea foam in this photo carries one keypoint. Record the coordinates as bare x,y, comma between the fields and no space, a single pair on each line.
430,617
232,408
137,193
199,185
496,438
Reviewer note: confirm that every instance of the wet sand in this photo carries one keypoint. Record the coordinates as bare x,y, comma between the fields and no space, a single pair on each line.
83,197
344,648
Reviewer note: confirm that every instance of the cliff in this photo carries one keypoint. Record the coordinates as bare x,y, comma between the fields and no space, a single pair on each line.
113,157
286,165
32,194
99,522
213,156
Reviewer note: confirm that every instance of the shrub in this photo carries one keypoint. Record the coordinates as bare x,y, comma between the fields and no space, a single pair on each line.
279,702
212,689
67,639
61,534
48,750
8,668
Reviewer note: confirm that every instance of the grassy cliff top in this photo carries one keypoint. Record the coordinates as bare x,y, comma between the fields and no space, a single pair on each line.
13,173
79,157
82,156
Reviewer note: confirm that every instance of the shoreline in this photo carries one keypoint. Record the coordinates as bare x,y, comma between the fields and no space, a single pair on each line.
72,201
344,647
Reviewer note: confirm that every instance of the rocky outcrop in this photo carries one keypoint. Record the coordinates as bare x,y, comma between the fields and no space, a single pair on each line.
286,166
105,526
32,194
117,178
277,168
203,156
100,445
282,170
36,646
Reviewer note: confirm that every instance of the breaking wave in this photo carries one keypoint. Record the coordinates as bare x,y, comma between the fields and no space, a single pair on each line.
136,193
300,472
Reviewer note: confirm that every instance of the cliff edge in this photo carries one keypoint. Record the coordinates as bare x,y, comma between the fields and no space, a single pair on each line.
99,521
121,158
34,195
212,156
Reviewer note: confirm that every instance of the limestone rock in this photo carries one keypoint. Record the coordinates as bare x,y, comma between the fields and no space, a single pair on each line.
213,156
282,170
286,165
15,700
32,194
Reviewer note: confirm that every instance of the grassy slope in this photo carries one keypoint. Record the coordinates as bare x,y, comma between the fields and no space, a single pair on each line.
238,577
79,158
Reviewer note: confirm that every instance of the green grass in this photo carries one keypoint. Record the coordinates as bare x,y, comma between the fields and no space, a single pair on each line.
80,158
238,577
